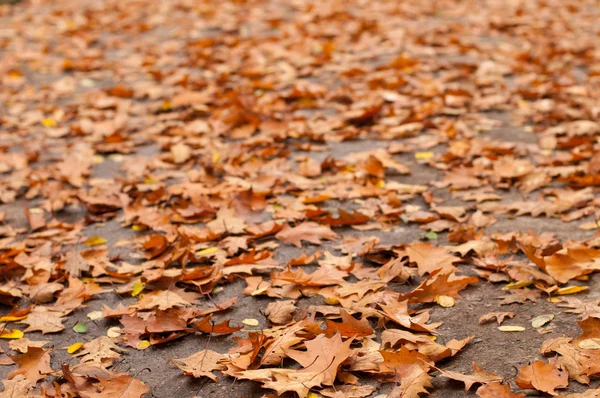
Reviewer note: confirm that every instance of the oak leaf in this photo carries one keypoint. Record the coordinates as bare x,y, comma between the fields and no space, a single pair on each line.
430,258
280,312
350,326
498,316
18,386
438,284
478,376
44,320
322,357
308,231
200,364
34,365
101,351
497,390
543,377
411,385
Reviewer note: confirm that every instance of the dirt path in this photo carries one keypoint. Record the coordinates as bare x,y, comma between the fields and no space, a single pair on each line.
171,165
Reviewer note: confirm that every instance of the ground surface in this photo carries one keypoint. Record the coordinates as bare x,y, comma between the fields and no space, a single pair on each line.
169,142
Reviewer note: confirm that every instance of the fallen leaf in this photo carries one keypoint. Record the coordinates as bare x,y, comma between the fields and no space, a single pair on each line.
200,364
543,377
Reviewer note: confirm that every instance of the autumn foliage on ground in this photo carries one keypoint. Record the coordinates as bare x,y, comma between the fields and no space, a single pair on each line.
338,175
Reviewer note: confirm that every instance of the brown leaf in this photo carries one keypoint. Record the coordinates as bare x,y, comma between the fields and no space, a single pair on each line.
200,364
101,351
207,326
438,284
34,365
543,377
478,376
498,316
350,327
322,357
497,390
429,258
17,387
308,231
280,312
44,320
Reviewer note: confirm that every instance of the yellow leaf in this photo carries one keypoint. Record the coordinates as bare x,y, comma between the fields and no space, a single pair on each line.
423,155
8,318
113,332
250,322
380,184
313,395
517,285
541,320
137,227
95,241
95,315
511,328
97,159
216,157
48,123
166,106
571,290
73,348
217,289
149,180
208,251
116,157
143,345
589,344
332,300
445,301
13,334
138,287
555,300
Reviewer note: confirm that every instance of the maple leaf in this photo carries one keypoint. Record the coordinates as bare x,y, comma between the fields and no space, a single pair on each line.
200,364
322,358
543,377
429,258
44,320
34,364
308,231
497,390
478,376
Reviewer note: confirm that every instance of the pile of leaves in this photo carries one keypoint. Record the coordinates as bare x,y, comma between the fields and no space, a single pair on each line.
349,168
